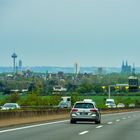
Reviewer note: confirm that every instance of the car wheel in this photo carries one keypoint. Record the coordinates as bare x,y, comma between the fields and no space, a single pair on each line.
97,121
72,121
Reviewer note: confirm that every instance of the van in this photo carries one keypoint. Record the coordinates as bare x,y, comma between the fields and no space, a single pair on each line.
65,102
110,103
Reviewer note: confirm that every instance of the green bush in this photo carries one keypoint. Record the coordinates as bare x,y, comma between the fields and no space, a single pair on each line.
12,98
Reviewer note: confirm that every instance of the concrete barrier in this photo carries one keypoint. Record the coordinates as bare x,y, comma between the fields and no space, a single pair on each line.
18,117
28,113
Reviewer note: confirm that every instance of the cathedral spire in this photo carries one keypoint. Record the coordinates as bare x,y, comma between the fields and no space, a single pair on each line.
133,69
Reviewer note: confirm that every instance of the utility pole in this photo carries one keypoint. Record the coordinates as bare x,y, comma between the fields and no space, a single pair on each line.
109,91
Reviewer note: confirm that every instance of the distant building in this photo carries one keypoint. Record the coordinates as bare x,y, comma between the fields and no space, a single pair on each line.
59,88
100,71
76,68
20,65
60,74
126,69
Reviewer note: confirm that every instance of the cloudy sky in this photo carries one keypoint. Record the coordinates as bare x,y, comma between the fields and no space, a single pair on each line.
62,32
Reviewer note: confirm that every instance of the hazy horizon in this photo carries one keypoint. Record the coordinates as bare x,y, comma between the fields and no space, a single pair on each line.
100,33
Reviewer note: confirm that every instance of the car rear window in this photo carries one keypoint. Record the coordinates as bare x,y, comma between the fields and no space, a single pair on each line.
84,105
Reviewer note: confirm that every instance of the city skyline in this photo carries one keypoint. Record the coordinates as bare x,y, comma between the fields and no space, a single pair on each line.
59,33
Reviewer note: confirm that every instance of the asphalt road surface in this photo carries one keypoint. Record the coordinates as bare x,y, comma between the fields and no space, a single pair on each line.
123,126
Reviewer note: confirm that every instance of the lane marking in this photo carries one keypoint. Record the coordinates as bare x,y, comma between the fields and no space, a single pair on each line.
129,117
114,114
31,126
109,122
117,120
84,132
124,118
44,124
100,126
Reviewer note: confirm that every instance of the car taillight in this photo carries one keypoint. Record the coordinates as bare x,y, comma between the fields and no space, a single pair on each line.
74,110
93,110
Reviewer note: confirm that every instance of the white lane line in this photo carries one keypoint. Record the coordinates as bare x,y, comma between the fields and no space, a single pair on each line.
124,118
114,114
31,126
100,126
117,120
109,122
84,132
38,125
129,117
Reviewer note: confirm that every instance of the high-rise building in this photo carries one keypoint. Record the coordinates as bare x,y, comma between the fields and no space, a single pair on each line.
20,65
76,68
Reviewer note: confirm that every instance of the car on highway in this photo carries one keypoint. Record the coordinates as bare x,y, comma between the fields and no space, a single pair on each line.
120,105
62,105
110,103
9,106
65,102
85,111
131,105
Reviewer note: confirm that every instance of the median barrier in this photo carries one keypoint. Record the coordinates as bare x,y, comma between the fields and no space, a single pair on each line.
16,117
29,113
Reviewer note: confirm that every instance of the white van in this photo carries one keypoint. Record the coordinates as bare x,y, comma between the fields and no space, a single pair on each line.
110,103
65,102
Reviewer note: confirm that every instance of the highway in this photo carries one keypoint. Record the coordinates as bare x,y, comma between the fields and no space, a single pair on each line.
121,126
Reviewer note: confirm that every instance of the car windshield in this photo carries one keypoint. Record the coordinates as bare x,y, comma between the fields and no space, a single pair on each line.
109,102
9,105
62,103
84,105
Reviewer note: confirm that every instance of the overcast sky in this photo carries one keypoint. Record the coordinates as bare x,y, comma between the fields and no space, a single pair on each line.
62,32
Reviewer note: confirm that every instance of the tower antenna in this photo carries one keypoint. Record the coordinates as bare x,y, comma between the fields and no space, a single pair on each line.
14,56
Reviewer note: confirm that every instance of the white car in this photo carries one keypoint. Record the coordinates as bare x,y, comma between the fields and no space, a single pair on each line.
132,105
8,106
85,111
120,105
63,104
110,103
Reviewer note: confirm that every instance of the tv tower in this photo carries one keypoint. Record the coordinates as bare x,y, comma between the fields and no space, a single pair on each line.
14,56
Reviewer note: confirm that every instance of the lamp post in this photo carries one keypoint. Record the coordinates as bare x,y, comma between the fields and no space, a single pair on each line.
109,94
109,91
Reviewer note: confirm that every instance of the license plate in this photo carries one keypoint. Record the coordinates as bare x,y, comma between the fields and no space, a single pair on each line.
83,113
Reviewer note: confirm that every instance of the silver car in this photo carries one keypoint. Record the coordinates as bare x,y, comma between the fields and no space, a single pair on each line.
85,111
9,106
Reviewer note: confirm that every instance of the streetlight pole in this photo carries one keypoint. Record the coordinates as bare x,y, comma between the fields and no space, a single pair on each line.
109,92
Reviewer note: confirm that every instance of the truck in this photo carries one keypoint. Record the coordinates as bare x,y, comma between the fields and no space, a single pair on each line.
65,102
